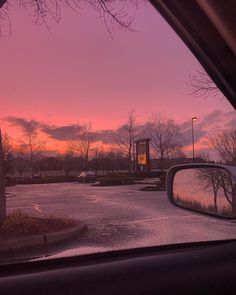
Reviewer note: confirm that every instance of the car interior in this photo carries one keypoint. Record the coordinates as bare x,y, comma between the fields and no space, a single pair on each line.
208,28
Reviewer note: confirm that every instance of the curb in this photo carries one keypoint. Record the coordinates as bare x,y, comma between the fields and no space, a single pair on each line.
13,244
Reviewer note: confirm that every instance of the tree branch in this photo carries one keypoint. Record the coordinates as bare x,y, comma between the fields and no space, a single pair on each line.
201,85
44,10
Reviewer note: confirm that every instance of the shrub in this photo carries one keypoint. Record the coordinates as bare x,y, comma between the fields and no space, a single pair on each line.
18,223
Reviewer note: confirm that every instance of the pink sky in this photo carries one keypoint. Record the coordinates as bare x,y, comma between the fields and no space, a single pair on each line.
79,72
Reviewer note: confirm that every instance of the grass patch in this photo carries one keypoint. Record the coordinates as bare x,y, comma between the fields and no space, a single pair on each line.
19,224
200,207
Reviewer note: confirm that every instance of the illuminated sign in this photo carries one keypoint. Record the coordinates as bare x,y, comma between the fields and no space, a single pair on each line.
142,159
142,153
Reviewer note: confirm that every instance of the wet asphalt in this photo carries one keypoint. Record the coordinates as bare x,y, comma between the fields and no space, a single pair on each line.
117,217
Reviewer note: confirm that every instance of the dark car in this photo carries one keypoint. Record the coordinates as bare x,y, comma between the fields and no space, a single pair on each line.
86,176
39,176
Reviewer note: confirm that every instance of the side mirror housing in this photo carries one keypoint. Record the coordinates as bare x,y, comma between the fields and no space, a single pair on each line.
205,188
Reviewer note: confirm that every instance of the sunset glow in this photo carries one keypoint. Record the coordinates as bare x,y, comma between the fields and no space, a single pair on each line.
80,73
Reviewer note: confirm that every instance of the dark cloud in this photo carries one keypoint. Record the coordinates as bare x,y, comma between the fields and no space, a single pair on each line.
68,132
26,125
186,134
216,120
186,131
213,122
60,133
212,117
106,136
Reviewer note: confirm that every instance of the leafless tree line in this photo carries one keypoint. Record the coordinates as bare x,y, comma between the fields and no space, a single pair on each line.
218,179
163,132
166,143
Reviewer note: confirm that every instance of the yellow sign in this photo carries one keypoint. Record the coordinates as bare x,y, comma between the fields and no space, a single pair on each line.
142,159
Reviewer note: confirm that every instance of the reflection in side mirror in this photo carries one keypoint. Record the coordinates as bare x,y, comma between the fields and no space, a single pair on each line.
208,190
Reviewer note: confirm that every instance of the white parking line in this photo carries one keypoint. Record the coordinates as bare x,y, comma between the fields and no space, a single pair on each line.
37,207
153,219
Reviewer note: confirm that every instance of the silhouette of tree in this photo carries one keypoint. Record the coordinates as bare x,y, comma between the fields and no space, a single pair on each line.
43,11
82,144
225,144
98,154
7,154
126,135
21,161
34,147
165,138
201,85
216,179
68,160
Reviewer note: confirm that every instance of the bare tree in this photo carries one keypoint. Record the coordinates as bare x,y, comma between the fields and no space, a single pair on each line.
201,85
125,137
7,147
6,166
210,179
216,179
7,154
165,138
230,191
67,160
5,22
82,144
98,154
225,144
20,160
43,11
2,183
34,147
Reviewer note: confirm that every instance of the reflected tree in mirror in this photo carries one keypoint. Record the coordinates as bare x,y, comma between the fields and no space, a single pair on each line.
209,190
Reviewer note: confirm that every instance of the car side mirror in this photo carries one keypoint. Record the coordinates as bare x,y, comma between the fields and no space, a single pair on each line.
206,188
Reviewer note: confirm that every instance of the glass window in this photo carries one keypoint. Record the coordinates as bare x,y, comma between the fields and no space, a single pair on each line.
92,116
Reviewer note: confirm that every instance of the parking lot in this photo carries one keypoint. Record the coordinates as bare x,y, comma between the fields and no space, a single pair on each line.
118,216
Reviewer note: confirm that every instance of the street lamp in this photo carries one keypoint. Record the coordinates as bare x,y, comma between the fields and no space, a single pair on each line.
193,119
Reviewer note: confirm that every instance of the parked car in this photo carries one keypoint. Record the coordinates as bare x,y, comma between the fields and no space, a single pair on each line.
39,176
86,176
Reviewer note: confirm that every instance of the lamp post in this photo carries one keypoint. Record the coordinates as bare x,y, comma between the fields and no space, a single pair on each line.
193,119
